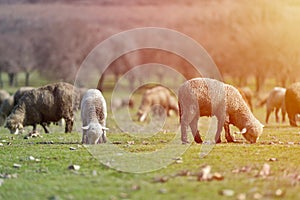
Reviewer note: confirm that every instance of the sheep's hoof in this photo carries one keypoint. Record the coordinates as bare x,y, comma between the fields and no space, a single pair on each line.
185,142
229,139
218,141
198,139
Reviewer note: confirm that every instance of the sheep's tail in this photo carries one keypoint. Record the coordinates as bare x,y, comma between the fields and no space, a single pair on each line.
263,102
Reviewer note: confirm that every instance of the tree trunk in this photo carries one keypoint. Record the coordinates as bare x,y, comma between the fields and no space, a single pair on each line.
11,79
260,79
1,81
27,75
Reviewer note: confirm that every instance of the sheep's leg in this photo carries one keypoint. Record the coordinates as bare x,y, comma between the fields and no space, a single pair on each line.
194,128
184,126
283,112
45,127
292,118
276,115
69,125
83,141
104,137
184,123
34,128
227,132
219,130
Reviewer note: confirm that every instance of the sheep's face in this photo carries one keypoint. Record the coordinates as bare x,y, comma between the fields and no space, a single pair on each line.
14,128
252,134
95,133
141,115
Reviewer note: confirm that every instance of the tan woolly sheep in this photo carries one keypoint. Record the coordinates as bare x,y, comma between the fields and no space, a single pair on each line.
208,97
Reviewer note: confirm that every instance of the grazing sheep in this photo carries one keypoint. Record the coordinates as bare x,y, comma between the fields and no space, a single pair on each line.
9,103
41,106
20,92
158,95
247,96
93,116
3,95
275,100
5,109
292,102
195,99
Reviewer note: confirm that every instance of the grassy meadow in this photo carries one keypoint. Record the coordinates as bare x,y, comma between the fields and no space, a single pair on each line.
42,170
150,162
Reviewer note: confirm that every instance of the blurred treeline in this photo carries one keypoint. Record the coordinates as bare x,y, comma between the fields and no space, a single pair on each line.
249,40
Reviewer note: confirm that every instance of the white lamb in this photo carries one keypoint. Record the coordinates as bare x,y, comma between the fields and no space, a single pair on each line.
93,115
195,99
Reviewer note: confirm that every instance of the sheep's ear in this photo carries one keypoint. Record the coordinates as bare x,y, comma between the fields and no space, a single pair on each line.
243,131
105,129
85,127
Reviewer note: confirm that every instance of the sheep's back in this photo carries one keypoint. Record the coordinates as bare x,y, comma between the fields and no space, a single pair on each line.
48,103
93,107
276,97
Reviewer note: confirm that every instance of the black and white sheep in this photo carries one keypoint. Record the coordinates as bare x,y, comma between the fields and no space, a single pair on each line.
275,100
292,102
196,97
43,105
93,116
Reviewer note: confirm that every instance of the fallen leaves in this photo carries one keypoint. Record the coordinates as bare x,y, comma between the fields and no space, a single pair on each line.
74,167
203,175
206,175
273,159
33,134
226,192
265,171
15,165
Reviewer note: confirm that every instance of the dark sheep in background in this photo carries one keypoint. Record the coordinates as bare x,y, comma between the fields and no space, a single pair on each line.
3,95
6,108
20,92
292,102
9,103
43,105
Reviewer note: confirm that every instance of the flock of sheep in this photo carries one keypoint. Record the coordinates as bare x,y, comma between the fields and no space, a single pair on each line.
196,97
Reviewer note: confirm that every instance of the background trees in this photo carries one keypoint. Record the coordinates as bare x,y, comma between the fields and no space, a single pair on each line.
249,41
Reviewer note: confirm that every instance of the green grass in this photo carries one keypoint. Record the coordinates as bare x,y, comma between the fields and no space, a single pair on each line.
50,177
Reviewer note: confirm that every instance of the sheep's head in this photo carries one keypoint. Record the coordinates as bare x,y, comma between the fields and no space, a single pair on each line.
252,133
141,115
13,127
95,133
